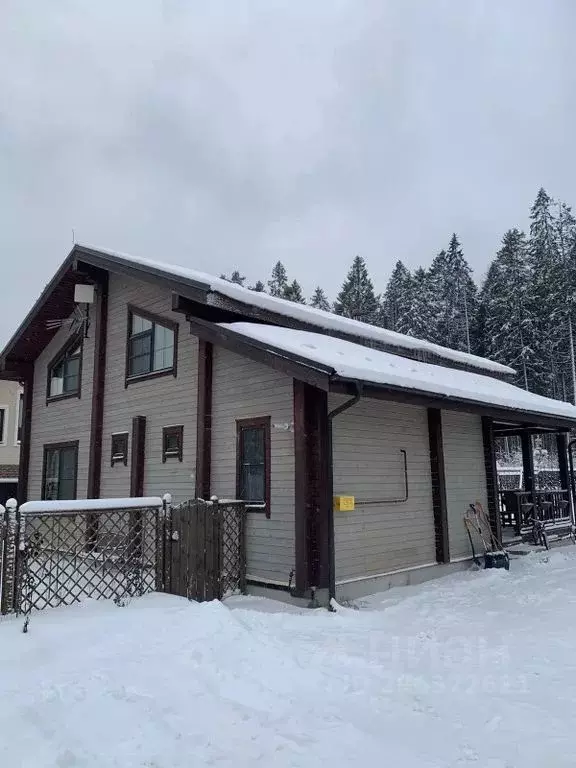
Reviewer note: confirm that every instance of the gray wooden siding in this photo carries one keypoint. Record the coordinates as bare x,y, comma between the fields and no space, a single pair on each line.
465,474
61,420
245,389
164,401
381,538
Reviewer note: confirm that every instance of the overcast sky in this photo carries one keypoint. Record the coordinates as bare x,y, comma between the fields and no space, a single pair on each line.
221,134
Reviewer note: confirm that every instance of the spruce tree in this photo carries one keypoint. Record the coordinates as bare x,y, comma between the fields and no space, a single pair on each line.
454,298
509,325
542,297
357,298
293,292
418,320
258,286
319,300
396,300
279,280
562,300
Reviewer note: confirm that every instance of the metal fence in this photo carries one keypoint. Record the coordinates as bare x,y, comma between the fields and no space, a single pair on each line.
58,553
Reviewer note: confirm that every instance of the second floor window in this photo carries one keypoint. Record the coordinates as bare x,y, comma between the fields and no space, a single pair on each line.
151,345
64,372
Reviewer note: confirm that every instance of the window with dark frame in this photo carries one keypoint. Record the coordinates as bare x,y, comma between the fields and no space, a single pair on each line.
64,372
172,440
119,449
60,471
253,461
3,425
151,345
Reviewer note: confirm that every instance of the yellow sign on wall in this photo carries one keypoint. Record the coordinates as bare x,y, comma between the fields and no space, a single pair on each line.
343,503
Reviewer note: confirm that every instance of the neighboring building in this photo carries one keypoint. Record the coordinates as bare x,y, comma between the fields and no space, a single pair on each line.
10,427
185,383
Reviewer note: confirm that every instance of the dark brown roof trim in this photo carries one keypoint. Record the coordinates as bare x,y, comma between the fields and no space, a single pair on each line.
300,368
193,297
419,397
240,309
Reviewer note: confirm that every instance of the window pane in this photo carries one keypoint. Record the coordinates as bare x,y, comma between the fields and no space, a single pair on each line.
51,482
163,348
66,473
172,440
252,460
71,381
139,355
253,445
2,424
253,483
57,379
139,324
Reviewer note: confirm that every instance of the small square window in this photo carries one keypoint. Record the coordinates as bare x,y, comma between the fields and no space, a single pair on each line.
119,452
172,439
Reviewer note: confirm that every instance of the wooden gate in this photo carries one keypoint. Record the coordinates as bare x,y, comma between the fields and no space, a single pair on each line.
205,542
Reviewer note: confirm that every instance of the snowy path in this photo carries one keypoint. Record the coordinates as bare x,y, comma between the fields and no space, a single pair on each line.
478,669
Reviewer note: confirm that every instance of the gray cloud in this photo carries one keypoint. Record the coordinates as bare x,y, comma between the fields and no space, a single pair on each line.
221,134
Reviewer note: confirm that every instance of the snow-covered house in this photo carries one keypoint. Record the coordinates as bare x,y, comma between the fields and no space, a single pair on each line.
173,380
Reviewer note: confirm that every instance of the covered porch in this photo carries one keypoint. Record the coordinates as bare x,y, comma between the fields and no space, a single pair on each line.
535,495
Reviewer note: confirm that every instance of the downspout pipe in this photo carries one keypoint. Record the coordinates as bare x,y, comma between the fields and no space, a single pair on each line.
331,549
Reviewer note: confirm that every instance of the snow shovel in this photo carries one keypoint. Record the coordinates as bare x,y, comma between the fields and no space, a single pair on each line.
494,555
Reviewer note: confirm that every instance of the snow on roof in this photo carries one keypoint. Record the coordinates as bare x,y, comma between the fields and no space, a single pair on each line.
353,361
306,314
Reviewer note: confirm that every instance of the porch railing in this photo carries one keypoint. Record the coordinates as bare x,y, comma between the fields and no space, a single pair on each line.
519,509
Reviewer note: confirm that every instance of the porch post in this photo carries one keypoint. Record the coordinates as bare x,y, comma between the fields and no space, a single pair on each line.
439,503
527,460
491,477
204,420
311,487
562,446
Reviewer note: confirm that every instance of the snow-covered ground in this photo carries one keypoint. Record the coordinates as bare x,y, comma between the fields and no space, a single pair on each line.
476,669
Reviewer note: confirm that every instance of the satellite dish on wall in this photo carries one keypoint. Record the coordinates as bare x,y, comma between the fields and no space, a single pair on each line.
80,318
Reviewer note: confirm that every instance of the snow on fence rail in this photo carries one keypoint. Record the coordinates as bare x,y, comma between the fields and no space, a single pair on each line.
55,553
59,552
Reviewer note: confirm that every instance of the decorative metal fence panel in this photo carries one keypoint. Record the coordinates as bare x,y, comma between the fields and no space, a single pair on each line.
62,554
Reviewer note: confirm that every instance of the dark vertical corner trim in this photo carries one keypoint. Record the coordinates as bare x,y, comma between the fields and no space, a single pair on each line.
320,548
302,489
98,381
312,454
138,458
491,476
438,472
527,459
204,419
25,441
562,446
